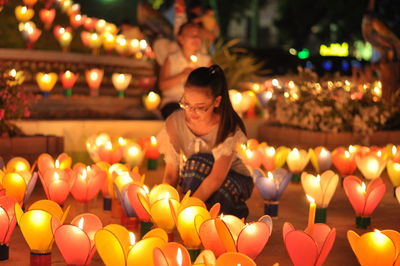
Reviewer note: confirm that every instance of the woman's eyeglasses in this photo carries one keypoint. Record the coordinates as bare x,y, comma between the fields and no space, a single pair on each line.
195,109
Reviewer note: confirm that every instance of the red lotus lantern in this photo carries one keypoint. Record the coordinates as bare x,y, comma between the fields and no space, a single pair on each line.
68,80
47,17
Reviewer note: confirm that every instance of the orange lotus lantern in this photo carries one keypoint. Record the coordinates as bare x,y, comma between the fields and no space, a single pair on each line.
18,179
230,234
30,3
108,41
308,247
344,161
89,23
23,13
76,20
68,80
88,182
76,240
47,17
117,246
58,31
35,225
94,78
85,38
375,248
364,198
121,44
268,157
151,101
297,160
370,164
46,162
7,222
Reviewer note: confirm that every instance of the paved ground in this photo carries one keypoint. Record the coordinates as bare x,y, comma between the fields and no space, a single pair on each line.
293,208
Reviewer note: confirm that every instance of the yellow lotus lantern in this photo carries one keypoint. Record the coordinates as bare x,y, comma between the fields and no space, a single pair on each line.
393,170
297,160
65,40
46,81
117,246
121,82
35,225
376,248
151,100
101,25
108,41
370,165
321,188
18,179
121,44
23,13
133,154
95,42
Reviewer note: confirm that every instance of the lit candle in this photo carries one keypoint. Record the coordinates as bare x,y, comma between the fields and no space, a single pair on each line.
68,80
133,154
65,40
76,20
89,23
253,158
101,25
320,158
311,213
193,60
121,44
370,165
87,183
151,100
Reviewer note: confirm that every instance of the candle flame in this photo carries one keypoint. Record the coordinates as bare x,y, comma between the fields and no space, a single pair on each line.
251,229
80,223
373,165
352,149
84,174
270,151
310,199
94,75
142,44
379,237
56,176
275,83
13,73
146,189
347,154
221,216
166,196
179,257
270,175
318,178
121,141
362,188
57,164
24,9
323,152
379,153
193,59
249,153
109,145
132,238
133,151
153,140
396,167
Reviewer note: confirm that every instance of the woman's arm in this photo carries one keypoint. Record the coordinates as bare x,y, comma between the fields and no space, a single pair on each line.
215,179
171,175
167,81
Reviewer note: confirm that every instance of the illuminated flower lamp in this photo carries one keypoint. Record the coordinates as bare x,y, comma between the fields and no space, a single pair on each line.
375,248
24,14
30,3
18,179
110,153
133,154
76,20
397,194
7,224
151,101
66,5
271,187
117,246
321,159
147,82
30,33
321,188
76,240
370,165
46,82
68,80
158,204
87,183
121,44
228,233
187,221
108,42
364,198
47,17
95,42
140,210
35,225
297,160
46,162
134,47
268,157
308,248
393,170
121,82
239,103
150,147
252,158
65,40
94,78
171,254
90,23
94,142
58,31
281,155
107,186
56,184
85,38
344,161
100,25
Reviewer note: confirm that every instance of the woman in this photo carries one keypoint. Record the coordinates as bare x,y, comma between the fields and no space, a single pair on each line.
178,65
207,132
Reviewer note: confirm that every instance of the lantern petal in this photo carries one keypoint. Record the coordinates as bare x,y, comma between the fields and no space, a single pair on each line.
144,202
73,243
15,186
35,226
157,232
370,252
159,258
314,159
142,252
18,212
210,238
225,235
395,237
133,194
189,220
326,248
45,162
58,191
329,182
109,248
206,257
159,192
281,156
169,252
91,225
234,258
398,194
268,221
351,185
4,225
215,209
161,213
373,199
301,248
253,238
353,238
30,186
49,206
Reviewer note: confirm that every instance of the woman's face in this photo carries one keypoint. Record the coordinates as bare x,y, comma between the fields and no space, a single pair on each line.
190,38
198,103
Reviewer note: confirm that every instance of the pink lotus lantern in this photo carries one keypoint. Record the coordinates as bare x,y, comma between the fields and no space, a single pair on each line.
68,80
308,248
253,158
76,20
110,153
320,158
76,240
47,17
7,224
297,160
87,183
171,254
268,157
344,161
229,234
94,77
364,198
370,165
46,162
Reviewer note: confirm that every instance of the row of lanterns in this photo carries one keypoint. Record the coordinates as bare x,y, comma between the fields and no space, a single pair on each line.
98,31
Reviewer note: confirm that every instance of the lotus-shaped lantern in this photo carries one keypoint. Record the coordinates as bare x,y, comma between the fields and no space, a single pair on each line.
344,161
7,224
88,182
320,158
393,170
297,160
370,165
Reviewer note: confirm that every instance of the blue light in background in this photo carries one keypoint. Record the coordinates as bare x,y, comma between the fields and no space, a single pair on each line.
327,65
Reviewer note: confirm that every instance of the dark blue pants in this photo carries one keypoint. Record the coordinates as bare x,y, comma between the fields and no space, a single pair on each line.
233,193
